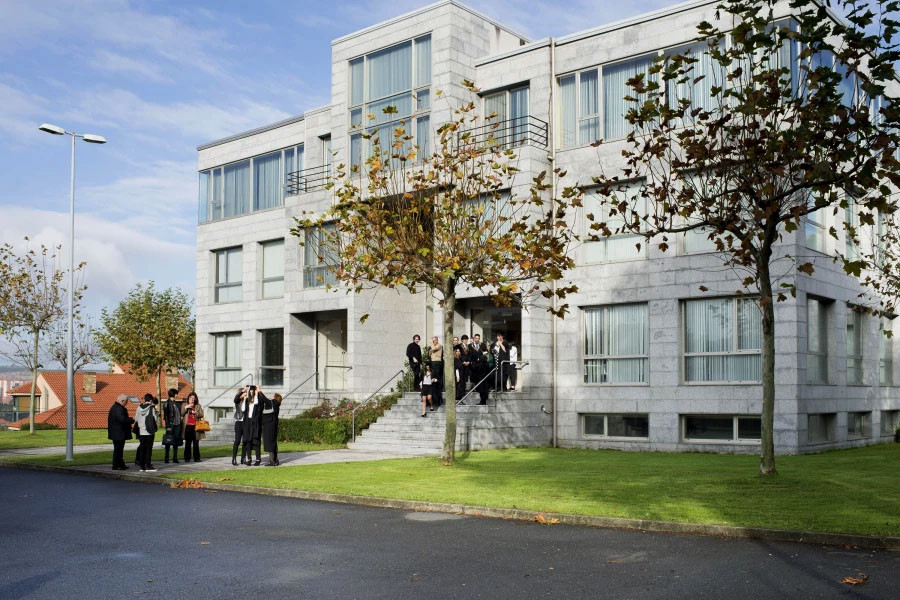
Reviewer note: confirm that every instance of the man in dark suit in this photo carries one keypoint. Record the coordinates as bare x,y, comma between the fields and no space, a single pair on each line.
414,356
458,371
118,429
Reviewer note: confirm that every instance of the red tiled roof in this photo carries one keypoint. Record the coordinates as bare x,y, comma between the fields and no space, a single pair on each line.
23,389
93,415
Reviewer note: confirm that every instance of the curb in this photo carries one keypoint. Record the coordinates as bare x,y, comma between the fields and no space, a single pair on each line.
723,531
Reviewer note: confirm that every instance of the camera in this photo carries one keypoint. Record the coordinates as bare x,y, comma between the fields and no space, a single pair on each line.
252,388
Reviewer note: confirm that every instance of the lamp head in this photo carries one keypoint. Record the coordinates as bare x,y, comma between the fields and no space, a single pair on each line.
93,139
54,129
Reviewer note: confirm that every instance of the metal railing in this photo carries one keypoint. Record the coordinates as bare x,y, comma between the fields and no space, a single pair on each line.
520,131
308,180
497,382
475,387
366,401
231,387
298,386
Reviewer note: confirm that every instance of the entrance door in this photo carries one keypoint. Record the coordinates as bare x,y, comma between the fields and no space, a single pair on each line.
331,354
488,322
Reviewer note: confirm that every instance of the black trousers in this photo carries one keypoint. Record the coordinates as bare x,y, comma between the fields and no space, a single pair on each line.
174,448
238,437
191,443
145,452
118,454
417,376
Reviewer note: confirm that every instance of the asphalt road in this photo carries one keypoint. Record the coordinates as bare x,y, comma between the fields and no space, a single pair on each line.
71,536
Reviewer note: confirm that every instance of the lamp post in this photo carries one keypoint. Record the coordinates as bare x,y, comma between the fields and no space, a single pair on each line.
70,370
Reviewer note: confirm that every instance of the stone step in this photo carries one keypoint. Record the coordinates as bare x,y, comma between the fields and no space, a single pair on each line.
396,447
404,436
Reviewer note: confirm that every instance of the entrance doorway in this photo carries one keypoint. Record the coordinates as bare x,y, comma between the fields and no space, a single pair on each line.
491,320
331,354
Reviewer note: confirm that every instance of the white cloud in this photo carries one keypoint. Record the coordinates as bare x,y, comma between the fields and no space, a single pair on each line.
21,112
112,62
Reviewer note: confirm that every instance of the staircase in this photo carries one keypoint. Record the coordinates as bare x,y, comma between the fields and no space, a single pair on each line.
403,429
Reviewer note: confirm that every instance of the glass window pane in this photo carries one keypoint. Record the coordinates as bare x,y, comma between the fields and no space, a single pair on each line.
266,181
749,324
273,289
235,267
589,93
389,71
568,118
709,428
290,166
273,259
749,428
401,103
593,425
203,197
221,267
218,186
356,81
237,189
423,136
708,325
423,61
615,89
627,426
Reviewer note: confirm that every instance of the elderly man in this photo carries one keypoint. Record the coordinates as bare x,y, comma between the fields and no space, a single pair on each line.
118,429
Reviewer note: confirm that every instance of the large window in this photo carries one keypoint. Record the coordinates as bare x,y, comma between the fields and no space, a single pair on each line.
622,246
619,426
506,116
859,425
317,256
854,346
227,367
885,354
398,77
580,108
249,185
616,339
271,362
722,340
229,275
889,421
273,269
820,428
816,341
721,428
705,74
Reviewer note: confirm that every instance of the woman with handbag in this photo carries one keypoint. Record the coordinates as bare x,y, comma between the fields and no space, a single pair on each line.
270,409
195,427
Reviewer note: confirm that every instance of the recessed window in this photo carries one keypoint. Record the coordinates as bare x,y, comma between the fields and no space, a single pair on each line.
229,274
87,399
854,346
506,117
227,357
721,428
273,269
885,354
820,428
616,425
722,340
133,399
619,246
859,425
317,256
889,421
272,357
616,341
816,341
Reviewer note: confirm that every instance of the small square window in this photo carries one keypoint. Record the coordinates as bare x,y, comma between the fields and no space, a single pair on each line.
87,399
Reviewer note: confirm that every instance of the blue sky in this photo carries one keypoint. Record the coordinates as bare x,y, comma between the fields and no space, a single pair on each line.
157,79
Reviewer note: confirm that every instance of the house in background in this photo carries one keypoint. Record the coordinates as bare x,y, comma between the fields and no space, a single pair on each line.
95,393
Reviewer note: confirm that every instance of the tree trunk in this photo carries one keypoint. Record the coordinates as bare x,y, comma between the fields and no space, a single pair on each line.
158,390
449,451
767,306
34,371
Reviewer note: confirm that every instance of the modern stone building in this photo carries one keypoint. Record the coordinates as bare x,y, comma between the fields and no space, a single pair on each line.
644,361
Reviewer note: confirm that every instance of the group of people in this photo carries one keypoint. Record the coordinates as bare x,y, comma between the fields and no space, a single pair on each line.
255,418
181,423
473,360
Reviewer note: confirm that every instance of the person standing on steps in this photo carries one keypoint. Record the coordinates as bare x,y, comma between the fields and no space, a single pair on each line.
270,409
501,357
240,414
458,372
118,429
192,412
146,423
513,366
414,356
427,382
172,418
436,358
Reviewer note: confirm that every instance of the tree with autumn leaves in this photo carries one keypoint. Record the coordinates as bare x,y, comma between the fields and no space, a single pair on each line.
772,121
461,216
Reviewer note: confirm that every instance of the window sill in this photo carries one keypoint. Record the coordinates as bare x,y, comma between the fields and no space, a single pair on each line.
709,383
721,442
819,442
618,384
610,438
225,303
613,261
246,214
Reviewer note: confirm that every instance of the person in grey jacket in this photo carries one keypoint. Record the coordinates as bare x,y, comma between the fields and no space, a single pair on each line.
172,416
146,424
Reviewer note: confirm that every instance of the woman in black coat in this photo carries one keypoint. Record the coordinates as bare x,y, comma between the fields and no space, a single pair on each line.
118,429
252,426
240,412
270,409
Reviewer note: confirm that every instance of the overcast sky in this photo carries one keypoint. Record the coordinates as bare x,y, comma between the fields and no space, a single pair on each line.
157,79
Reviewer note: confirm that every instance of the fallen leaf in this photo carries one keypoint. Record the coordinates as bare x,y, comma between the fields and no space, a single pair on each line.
204,543
540,518
858,580
225,479
211,491
188,483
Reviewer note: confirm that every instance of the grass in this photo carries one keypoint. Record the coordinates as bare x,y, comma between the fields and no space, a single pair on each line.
50,437
105,456
846,491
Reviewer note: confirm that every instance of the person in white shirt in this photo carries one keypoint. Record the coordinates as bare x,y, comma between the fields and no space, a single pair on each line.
427,382
513,359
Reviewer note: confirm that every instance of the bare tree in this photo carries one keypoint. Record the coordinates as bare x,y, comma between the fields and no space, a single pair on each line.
85,349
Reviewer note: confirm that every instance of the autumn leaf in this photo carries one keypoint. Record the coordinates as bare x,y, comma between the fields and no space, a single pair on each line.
188,483
860,579
543,520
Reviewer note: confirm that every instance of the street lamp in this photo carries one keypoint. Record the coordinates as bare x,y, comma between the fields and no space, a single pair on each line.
70,371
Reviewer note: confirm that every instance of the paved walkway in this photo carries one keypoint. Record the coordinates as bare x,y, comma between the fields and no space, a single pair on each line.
47,450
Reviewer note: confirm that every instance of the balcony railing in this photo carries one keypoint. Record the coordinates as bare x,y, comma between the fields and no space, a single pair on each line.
520,131
308,180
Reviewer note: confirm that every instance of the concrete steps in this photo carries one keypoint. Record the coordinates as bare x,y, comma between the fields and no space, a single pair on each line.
402,429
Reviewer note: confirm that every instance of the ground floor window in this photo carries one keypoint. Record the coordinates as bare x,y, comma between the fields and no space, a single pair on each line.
859,425
721,428
820,428
227,368
889,421
271,369
612,425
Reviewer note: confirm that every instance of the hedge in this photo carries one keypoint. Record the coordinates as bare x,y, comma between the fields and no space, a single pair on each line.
315,431
332,424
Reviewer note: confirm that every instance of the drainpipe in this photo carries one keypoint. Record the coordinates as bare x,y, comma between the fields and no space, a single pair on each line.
550,136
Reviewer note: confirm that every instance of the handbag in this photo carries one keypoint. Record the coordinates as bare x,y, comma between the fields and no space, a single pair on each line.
202,425
168,439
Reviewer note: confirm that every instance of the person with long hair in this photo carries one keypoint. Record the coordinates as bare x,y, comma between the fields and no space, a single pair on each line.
240,414
252,427
427,382
191,412
270,410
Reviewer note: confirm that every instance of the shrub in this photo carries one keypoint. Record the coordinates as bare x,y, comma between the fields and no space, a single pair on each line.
342,411
42,427
314,431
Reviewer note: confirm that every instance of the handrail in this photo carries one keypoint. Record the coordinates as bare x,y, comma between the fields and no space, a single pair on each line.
475,387
517,131
308,180
366,401
524,363
233,385
283,398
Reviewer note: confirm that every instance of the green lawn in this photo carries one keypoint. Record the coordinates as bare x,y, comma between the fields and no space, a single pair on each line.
50,437
849,491
105,456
